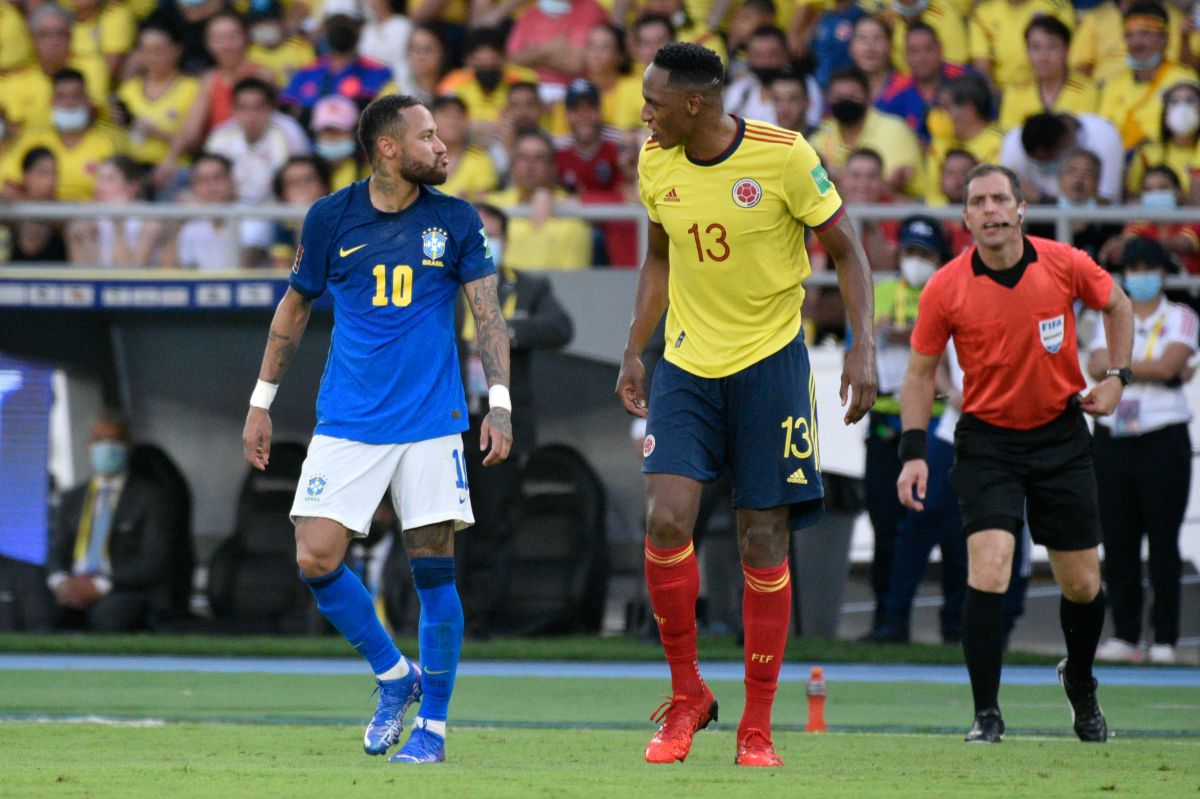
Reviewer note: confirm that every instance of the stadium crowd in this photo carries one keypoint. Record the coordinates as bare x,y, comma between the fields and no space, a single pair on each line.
539,103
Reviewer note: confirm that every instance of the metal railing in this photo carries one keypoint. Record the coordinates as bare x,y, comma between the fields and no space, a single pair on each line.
1062,218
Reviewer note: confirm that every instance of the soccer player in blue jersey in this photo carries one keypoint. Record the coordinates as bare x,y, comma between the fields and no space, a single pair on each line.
394,254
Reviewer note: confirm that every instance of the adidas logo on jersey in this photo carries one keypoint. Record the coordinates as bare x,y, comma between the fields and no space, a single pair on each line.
798,477
672,196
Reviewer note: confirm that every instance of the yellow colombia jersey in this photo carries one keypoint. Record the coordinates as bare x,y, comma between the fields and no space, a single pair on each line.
736,226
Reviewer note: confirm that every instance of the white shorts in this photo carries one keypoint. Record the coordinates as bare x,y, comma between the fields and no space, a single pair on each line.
344,480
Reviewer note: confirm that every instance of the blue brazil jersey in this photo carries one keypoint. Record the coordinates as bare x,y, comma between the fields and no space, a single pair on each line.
392,376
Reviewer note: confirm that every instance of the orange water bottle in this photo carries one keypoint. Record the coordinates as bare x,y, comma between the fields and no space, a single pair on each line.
816,690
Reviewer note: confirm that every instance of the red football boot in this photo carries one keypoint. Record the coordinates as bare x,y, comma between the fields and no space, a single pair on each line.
681,717
756,749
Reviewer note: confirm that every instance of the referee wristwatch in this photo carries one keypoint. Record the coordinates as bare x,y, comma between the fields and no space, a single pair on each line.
1124,374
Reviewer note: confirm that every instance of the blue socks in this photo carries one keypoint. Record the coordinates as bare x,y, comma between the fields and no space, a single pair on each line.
440,632
345,601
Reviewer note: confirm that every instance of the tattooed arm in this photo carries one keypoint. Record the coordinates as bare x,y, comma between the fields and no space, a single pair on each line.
492,338
291,318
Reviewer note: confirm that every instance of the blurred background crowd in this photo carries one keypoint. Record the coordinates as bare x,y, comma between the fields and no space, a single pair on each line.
539,103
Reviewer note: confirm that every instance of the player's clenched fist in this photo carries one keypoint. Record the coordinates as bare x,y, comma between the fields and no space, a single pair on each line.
256,438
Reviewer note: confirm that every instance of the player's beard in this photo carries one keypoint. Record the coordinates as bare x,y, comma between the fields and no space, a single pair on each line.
416,172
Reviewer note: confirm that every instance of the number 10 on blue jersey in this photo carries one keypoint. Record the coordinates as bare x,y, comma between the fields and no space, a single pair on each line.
402,280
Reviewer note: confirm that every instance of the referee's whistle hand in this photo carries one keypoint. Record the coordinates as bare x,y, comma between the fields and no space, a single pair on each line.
256,438
1103,398
913,476
630,387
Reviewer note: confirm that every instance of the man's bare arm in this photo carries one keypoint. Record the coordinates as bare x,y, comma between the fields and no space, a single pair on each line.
287,327
648,307
858,292
491,336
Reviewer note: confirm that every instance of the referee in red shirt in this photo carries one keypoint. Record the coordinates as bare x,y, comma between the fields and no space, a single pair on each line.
1022,443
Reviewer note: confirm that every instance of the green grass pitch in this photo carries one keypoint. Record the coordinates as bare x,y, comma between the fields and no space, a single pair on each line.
204,734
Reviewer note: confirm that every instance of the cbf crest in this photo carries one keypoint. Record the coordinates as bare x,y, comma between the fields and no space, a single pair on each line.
433,242
316,487
1052,331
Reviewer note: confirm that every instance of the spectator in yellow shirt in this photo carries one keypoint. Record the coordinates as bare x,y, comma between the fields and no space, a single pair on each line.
606,64
961,122
1098,47
273,47
1177,143
544,240
1053,87
1131,98
482,83
470,173
25,93
855,125
16,48
997,37
103,29
154,106
78,141
941,15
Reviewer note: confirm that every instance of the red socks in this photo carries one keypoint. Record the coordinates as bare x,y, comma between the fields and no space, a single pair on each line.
674,583
766,614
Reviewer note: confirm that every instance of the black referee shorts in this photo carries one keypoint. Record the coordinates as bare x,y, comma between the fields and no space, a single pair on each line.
999,473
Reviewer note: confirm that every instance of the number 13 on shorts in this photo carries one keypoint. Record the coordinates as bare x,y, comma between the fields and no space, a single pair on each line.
799,439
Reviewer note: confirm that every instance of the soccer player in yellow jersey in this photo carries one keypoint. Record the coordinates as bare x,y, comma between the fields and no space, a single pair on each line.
729,202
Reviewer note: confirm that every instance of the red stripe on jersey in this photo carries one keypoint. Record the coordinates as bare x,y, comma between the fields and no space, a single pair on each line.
769,141
779,134
833,219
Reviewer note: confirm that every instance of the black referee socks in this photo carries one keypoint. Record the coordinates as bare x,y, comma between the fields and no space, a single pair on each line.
1081,626
983,645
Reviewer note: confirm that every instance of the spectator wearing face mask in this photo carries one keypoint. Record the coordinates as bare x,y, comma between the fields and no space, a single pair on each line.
341,70
111,542
854,124
1177,144
78,140
274,47
1098,48
1161,192
1143,457
766,56
904,538
334,123
26,94
482,83
1131,97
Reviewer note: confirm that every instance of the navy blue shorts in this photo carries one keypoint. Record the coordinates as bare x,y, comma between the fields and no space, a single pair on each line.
760,422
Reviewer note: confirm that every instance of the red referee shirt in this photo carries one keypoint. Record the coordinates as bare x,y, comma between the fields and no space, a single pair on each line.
1014,330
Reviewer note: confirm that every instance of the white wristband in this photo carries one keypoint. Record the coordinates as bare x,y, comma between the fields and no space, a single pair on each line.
264,394
498,398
